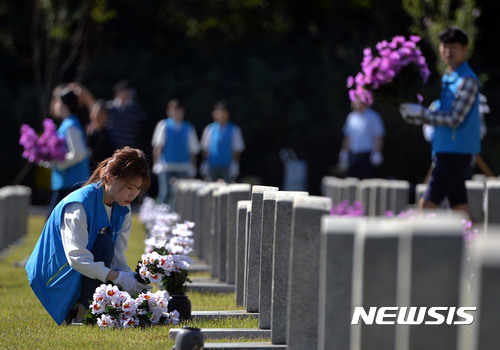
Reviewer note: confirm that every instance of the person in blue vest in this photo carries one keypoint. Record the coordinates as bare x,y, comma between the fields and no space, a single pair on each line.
83,243
175,148
74,170
222,144
456,121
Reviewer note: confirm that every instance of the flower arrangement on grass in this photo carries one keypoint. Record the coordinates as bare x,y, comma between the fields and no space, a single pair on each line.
393,75
113,308
168,246
48,147
166,269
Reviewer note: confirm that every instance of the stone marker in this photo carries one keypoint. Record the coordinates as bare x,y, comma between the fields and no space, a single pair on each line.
266,258
222,238
375,278
302,324
483,333
363,194
349,188
429,275
398,195
332,188
237,192
281,262
240,259
335,281
268,245
215,234
475,199
247,254
254,241
377,197
492,203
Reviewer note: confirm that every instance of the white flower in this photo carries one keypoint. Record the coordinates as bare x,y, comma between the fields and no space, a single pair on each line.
106,321
98,307
154,278
152,257
129,322
129,307
101,289
174,317
156,315
112,293
161,297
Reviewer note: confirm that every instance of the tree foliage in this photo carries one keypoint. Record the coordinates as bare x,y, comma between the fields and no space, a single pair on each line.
282,64
430,17
66,37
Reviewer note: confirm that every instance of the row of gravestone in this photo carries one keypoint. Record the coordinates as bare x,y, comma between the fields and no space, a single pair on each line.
14,207
304,271
380,196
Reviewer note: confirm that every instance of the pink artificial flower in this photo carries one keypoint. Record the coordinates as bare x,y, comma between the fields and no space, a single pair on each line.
415,38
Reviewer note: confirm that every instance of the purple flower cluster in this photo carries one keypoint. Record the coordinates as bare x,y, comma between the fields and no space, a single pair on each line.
345,209
470,233
48,147
387,67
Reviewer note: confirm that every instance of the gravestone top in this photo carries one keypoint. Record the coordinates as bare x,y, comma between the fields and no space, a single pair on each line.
312,202
340,224
262,189
270,195
244,204
443,221
239,187
289,195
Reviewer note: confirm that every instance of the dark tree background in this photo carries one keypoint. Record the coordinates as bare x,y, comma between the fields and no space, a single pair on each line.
282,64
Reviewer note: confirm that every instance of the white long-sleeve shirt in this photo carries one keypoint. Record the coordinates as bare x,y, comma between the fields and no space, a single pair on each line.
77,150
75,236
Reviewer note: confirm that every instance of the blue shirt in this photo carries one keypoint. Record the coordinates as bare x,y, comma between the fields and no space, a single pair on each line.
176,148
75,174
220,151
54,282
464,138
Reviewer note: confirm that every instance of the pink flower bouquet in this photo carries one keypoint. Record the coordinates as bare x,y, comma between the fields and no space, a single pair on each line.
393,75
48,147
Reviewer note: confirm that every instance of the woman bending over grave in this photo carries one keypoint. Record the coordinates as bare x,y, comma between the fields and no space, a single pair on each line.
84,241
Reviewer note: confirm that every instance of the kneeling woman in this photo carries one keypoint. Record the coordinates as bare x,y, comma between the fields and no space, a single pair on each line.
84,240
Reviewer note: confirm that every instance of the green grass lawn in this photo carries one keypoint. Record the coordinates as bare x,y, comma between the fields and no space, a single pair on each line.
24,323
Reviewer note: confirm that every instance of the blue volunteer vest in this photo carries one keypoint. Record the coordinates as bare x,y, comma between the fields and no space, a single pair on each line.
53,281
220,152
465,138
76,174
176,148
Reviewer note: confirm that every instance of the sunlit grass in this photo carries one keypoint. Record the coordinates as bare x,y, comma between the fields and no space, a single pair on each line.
24,323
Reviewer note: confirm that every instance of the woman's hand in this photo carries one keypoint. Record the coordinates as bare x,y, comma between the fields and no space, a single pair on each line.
128,282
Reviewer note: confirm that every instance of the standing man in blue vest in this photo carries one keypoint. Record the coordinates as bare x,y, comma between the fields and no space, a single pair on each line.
457,124
175,146
222,144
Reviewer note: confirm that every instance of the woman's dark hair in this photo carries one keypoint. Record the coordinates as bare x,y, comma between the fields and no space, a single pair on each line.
453,34
70,99
125,163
